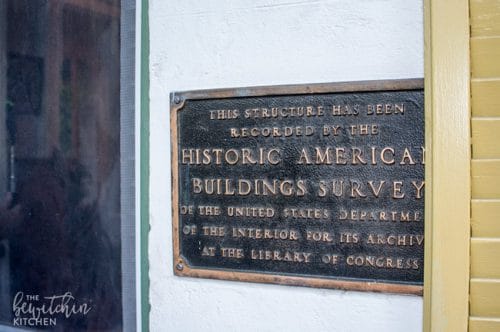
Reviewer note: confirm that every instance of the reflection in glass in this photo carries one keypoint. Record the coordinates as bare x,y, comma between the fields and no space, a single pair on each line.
60,164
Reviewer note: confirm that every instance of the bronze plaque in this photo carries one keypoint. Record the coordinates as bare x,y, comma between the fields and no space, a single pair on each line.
317,185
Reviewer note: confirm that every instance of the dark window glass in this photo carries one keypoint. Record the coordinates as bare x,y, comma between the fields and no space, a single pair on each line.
60,238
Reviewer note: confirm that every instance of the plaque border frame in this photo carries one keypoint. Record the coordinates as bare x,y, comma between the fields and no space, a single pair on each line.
180,266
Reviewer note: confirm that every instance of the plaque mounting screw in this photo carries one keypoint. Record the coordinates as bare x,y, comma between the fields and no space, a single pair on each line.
179,266
177,99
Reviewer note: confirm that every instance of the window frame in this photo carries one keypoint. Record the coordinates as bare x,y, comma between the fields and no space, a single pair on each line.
447,173
134,138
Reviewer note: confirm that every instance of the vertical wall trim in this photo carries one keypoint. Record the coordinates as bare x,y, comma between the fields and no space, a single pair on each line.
447,228
128,174
144,157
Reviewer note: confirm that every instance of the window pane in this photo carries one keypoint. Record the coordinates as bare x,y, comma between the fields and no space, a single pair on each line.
60,158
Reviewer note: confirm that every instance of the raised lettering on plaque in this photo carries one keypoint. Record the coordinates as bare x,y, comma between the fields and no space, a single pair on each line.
315,185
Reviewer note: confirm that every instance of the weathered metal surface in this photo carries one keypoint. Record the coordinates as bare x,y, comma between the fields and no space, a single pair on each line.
316,185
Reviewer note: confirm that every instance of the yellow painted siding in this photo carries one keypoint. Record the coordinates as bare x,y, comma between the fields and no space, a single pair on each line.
485,166
485,98
485,219
484,258
486,137
484,298
485,177
485,18
484,325
485,53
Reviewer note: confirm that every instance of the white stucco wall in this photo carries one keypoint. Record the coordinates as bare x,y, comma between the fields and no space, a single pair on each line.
200,44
